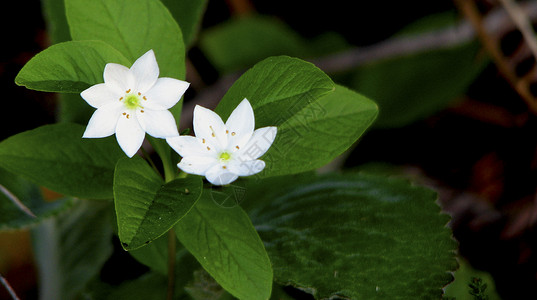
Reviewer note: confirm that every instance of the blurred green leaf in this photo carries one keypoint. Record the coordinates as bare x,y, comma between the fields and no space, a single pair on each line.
71,248
354,236
188,14
226,244
459,289
12,217
413,87
146,208
68,67
240,43
57,157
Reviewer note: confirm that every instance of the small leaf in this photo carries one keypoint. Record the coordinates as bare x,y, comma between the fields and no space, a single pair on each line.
132,27
225,243
147,208
57,157
354,236
68,67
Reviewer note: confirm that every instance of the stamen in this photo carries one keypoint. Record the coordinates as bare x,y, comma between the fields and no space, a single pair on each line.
213,134
224,167
212,131
227,131
139,94
237,147
127,116
208,148
233,133
128,91
203,141
124,113
141,110
121,98
144,98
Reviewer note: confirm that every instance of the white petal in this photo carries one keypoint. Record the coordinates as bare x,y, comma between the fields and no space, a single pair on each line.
99,95
145,70
209,126
118,78
103,121
197,165
158,123
187,145
165,93
246,168
260,142
217,175
240,125
129,134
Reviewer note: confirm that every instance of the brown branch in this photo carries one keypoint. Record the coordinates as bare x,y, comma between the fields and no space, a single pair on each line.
491,44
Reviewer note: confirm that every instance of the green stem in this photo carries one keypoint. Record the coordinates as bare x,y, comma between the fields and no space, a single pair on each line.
171,263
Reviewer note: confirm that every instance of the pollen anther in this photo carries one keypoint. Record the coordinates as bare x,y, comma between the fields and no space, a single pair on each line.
233,133
128,91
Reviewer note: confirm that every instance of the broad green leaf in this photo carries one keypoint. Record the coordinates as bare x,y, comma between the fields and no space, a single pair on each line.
319,132
29,195
355,236
132,27
240,43
57,157
71,248
146,208
278,88
68,67
226,244
188,14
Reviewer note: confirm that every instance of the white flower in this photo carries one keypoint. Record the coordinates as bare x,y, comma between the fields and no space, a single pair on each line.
132,102
223,152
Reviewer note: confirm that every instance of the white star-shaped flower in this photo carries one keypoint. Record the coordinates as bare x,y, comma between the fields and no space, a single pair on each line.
132,102
223,152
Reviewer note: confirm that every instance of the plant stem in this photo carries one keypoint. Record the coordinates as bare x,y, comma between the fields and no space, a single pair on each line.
8,288
171,263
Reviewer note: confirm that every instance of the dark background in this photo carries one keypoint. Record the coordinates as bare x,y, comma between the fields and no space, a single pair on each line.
485,170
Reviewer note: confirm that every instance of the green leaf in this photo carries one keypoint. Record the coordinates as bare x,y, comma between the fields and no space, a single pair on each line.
242,42
355,236
146,208
132,27
57,157
15,191
54,15
278,88
71,248
316,119
188,14
226,244
319,132
68,67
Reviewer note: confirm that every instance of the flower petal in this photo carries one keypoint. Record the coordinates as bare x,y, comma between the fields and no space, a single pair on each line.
99,95
187,145
118,78
129,134
217,175
165,93
246,168
209,126
260,142
240,125
158,123
103,121
146,71
197,165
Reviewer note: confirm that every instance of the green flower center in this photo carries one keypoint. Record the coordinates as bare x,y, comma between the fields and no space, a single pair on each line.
132,101
224,156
